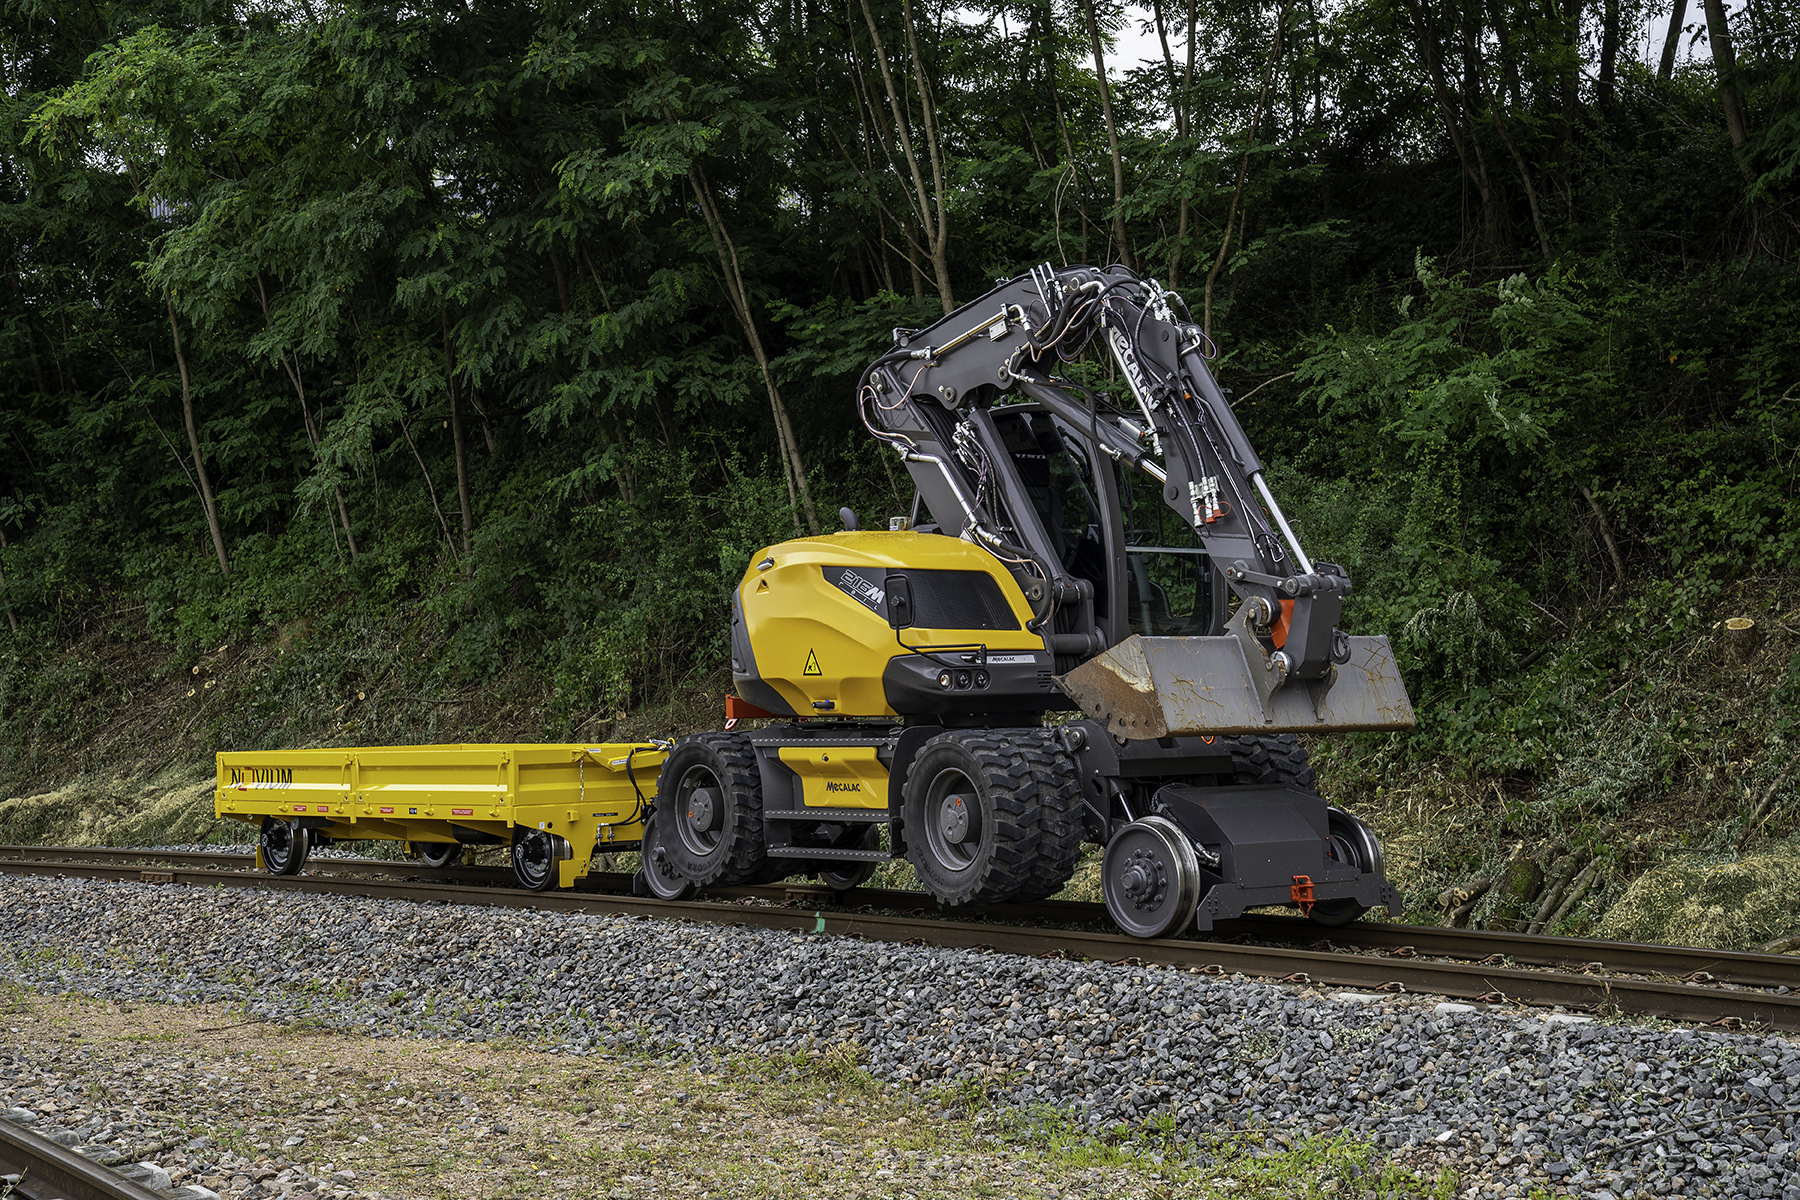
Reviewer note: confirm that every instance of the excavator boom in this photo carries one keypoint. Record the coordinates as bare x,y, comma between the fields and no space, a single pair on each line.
1280,662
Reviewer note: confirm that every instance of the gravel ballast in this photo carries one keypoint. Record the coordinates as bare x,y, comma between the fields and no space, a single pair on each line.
1508,1102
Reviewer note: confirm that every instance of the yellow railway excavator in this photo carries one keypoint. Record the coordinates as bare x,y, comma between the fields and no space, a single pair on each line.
1062,553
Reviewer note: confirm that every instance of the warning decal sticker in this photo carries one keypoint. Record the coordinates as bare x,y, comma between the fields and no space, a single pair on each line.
812,664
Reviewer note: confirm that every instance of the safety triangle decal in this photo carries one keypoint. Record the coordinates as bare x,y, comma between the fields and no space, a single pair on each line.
812,664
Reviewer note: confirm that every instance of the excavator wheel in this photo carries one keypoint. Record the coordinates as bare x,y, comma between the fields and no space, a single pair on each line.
971,811
710,793
1271,758
1060,826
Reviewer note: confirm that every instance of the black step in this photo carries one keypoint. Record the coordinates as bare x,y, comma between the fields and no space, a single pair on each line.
867,815
827,854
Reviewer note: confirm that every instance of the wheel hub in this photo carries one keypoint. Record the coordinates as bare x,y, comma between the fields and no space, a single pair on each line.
953,819
1145,879
701,809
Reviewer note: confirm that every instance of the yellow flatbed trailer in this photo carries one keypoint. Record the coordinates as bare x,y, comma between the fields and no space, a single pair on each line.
553,804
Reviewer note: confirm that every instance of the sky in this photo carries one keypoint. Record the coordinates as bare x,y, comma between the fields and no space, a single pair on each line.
1134,46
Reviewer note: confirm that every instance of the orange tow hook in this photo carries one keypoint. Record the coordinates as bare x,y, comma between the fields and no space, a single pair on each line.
1302,892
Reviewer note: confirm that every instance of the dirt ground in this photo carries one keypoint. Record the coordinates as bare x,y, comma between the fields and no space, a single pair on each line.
407,1118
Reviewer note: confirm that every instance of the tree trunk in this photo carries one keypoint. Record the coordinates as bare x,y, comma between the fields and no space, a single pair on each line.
312,431
1606,534
1672,41
1178,97
193,431
430,487
1609,55
799,491
1237,193
1468,148
1112,138
1571,81
456,434
1718,35
11,621
933,218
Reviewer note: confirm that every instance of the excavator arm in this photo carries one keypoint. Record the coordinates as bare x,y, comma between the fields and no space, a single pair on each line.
1281,661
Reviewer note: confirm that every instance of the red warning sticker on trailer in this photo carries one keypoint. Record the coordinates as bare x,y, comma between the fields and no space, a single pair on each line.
299,808
387,810
462,812
324,808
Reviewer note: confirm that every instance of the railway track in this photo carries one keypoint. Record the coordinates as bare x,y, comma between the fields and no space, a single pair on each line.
48,1171
1730,988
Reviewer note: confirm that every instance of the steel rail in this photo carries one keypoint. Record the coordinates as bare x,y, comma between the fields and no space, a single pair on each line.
48,1170
1661,998
1698,964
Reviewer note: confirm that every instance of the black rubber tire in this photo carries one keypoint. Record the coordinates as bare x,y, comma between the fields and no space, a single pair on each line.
1061,830
534,859
991,774
724,846
1271,759
437,855
842,876
285,845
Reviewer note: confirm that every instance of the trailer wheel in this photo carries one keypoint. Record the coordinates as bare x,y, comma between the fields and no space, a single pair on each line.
1150,878
285,845
437,855
714,809
1061,828
661,879
534,859
841,877
971,817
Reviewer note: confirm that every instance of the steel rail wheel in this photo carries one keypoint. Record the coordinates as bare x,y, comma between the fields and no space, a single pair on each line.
1150,878
534,857
284,845
437,855
841,877
660,877
1348,843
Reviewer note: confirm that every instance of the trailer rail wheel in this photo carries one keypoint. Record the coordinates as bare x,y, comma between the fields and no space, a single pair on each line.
534,857
714,810
285,845
971,817
1150,877
437,855
661,878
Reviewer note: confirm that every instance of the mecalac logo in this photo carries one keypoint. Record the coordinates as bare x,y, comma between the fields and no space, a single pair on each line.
834,786
243,778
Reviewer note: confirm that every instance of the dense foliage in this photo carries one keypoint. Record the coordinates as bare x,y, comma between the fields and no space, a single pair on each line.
537,319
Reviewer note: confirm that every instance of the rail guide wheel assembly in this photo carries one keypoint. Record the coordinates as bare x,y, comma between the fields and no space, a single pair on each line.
1150,878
